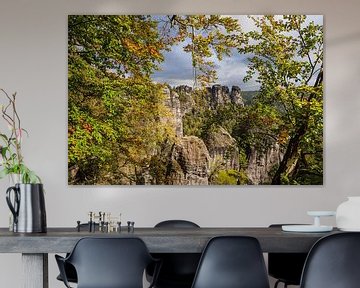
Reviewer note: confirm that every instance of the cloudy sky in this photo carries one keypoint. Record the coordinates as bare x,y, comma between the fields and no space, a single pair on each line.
177,68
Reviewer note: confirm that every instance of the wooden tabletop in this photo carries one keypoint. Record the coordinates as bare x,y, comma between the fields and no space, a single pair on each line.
158,240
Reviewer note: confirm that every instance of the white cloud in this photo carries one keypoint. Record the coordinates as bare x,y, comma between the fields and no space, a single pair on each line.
177,68
231,72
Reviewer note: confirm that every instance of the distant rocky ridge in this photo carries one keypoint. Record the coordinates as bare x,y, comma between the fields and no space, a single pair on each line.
180,100
219,95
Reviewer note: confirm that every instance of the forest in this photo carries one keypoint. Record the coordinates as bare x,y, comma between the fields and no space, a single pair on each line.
128,126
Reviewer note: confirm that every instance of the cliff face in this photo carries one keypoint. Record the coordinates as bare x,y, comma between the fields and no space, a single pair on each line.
181,101
189,162
261,163
172,101
223,149
191,159
220,95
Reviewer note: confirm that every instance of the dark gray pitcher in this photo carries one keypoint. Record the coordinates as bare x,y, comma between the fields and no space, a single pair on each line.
27,207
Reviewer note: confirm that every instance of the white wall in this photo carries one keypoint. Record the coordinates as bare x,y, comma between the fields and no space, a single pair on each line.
33,62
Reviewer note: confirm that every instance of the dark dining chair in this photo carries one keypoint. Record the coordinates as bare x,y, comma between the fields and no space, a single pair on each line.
333,262
232,262
108,263
286,267
178,269
70,271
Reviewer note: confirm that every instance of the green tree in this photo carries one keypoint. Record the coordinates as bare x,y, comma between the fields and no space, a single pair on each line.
114,107
115,112
204,36
286,55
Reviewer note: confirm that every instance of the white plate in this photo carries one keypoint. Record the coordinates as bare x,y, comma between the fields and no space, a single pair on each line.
306,228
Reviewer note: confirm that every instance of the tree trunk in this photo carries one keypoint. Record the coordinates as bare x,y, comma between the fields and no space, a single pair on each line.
292,152
290,156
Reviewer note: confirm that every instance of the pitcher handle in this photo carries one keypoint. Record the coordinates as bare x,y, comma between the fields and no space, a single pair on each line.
13,208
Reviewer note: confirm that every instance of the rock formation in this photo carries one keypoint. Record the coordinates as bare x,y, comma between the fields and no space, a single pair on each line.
235,96
189,162
261,163
220,95
185,94
190,159
173,102
180,101
222,147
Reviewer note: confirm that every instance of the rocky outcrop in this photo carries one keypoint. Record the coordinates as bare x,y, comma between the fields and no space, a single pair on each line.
185,94
220,95
223,149
189,162
180,100
261,163
235,96
173,102
191,158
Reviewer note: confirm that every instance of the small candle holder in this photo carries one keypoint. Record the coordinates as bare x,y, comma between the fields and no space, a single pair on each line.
318,214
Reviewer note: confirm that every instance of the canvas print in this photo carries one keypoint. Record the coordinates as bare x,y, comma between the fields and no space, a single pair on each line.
195,100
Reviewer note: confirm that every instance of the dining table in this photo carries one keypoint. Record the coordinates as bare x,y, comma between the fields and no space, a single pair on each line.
35,247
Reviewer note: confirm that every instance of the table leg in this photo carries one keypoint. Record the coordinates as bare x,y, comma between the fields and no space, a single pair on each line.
35,270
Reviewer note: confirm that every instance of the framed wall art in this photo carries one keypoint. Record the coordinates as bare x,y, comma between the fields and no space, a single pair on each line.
195,100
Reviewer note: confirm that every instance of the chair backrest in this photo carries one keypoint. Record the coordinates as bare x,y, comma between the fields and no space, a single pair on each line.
110,262
333,262
176,224
178,269
232,262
